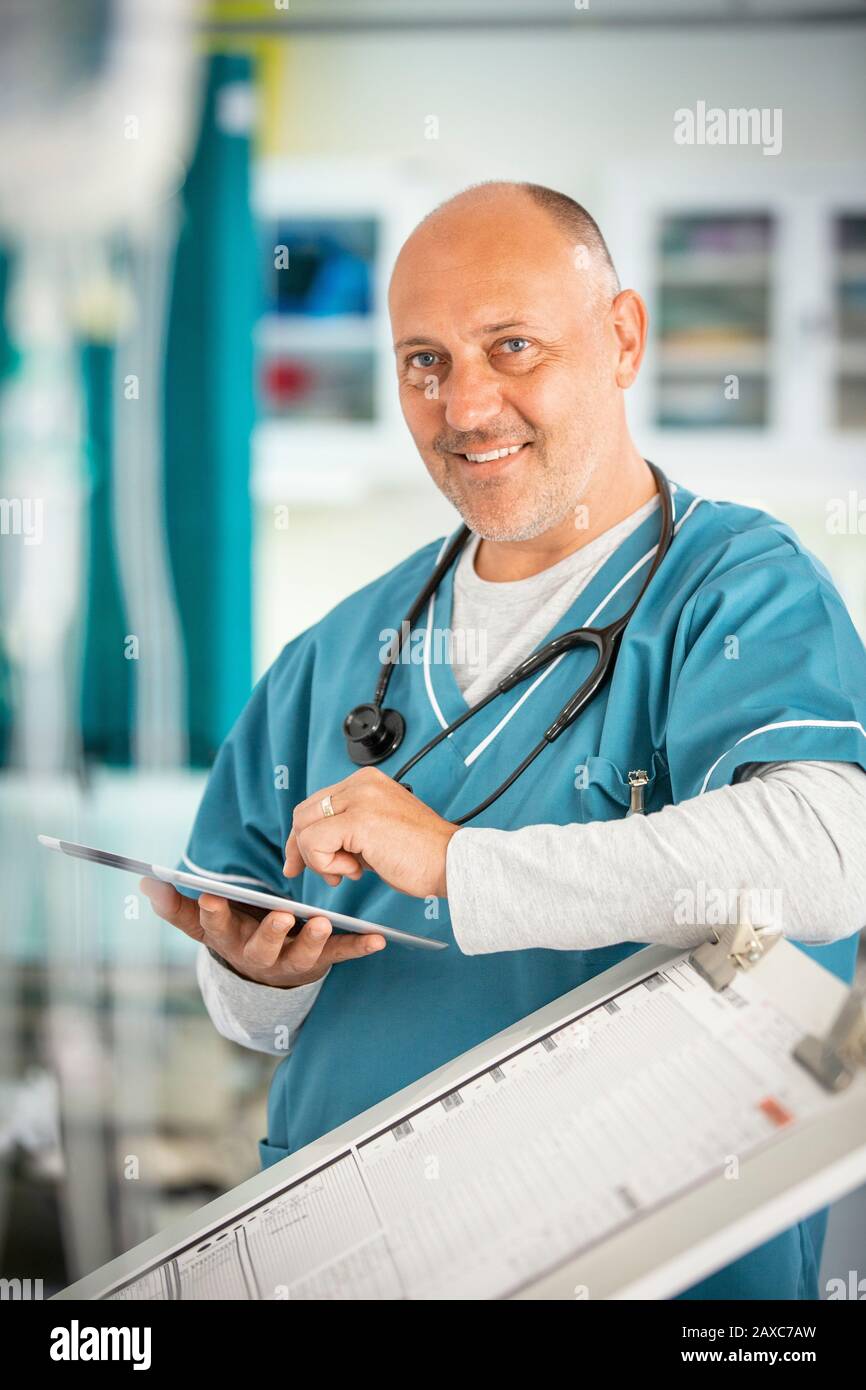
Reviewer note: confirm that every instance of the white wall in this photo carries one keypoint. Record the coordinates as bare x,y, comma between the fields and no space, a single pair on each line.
561,107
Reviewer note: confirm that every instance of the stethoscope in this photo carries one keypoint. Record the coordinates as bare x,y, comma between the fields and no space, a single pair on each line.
374,733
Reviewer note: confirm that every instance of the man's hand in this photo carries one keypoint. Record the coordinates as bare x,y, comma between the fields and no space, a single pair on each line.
377,824
259,950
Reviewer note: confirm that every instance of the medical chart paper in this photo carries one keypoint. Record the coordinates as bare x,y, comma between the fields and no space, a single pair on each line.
563,1139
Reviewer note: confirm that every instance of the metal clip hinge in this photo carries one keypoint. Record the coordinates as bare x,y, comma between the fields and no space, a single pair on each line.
834,1060
735,947
637,780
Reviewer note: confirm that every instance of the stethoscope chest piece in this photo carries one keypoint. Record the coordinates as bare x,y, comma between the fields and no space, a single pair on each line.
372,734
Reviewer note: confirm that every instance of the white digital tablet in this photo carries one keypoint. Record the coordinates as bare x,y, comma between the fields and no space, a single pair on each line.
236,894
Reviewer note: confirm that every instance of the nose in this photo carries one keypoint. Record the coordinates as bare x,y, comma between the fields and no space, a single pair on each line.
473,397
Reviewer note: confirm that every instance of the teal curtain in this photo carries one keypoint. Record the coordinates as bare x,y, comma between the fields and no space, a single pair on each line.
209,419
108,683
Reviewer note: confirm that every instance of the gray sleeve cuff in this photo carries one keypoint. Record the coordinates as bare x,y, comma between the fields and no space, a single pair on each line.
257,1016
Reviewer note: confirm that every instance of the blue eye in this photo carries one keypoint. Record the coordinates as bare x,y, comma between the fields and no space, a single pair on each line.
413,361
509,341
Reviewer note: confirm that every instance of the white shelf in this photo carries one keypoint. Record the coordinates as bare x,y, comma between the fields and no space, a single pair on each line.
738,463
698,360
852,267
311,461
715,268
300,333
851,357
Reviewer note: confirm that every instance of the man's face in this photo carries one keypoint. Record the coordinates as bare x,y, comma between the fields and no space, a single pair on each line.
507,348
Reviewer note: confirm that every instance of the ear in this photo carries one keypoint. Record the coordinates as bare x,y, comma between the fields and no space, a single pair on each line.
629,319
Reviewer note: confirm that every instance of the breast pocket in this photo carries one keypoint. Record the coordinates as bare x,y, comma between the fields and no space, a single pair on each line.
603,791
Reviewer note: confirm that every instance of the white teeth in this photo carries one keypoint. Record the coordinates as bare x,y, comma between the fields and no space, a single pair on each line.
496,454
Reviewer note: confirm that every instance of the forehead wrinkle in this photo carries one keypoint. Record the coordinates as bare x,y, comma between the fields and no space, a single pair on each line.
479,263
543,284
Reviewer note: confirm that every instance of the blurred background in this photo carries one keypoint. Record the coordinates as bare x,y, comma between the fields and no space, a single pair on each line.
199,209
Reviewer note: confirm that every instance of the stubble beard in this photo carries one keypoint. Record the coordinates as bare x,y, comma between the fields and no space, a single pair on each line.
555,492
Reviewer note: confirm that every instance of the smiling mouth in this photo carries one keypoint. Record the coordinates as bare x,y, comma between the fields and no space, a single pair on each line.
491,455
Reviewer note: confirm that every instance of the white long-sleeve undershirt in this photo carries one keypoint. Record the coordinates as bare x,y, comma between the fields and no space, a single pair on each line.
789,844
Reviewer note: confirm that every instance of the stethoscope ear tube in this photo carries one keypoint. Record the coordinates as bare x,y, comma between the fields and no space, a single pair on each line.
607,644
440,570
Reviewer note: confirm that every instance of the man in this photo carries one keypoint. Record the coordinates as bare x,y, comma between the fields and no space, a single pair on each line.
738,690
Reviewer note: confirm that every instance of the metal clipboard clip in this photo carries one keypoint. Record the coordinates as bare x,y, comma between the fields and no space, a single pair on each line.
739,946
834,1060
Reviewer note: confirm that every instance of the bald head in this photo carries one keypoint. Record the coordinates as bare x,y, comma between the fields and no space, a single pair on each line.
504,305
582,233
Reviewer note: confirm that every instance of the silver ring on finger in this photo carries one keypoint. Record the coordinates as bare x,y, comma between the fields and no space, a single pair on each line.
327,806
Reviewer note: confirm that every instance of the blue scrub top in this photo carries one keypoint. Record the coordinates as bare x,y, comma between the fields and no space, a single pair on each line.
741,651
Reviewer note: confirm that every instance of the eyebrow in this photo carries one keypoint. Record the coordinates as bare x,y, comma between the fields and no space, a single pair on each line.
479,333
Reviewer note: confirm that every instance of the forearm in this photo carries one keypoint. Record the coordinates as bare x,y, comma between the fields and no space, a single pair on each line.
795,830
257,1016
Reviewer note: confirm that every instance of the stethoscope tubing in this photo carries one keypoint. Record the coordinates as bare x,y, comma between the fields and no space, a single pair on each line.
605,639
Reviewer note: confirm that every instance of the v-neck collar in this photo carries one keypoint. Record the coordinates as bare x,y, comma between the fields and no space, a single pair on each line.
597,604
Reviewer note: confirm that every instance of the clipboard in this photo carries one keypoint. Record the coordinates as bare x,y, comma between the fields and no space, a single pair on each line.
402,1185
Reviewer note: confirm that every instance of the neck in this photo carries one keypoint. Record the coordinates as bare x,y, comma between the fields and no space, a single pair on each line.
615,491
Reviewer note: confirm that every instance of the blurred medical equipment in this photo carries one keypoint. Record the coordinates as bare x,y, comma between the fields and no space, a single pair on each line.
97,119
